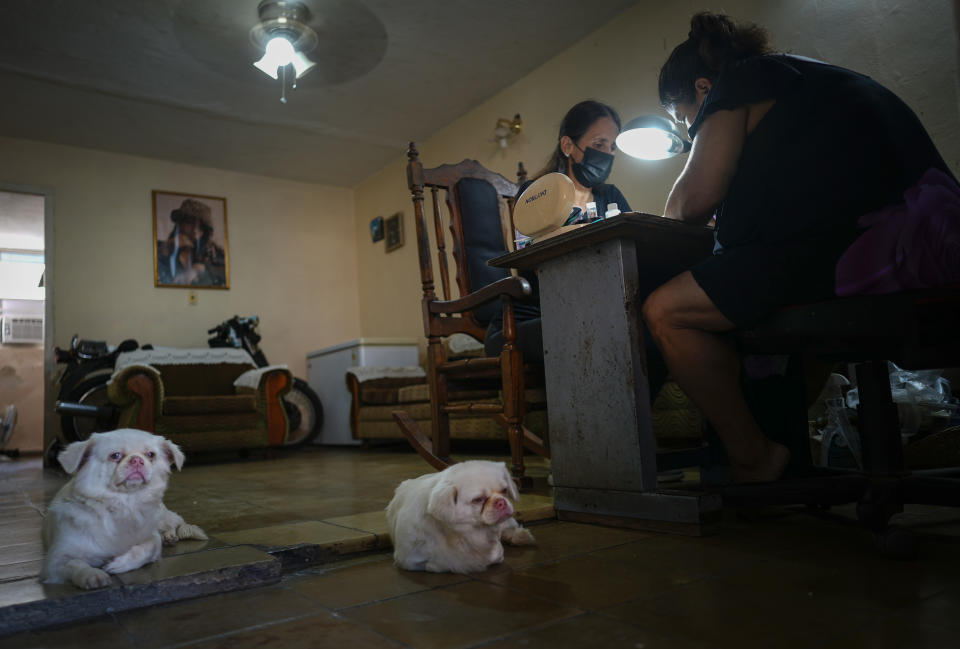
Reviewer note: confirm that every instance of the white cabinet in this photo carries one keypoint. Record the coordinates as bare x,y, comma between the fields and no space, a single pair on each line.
327,375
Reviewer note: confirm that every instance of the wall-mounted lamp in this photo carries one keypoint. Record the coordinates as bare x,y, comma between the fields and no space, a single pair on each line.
507,128
285,38
652,137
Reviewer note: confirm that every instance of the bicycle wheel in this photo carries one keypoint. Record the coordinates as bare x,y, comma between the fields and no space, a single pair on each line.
89,392
304,412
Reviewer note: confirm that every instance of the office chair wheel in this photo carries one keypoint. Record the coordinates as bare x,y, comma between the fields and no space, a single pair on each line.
895,542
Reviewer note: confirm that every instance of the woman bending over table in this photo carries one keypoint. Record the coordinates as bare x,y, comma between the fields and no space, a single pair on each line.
787,154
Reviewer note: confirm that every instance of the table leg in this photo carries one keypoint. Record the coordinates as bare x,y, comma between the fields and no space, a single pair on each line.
601,437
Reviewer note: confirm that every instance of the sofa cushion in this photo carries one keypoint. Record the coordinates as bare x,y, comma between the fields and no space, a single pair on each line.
386,390
200,405
208,379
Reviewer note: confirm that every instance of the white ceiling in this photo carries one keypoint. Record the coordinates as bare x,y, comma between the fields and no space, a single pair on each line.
172,79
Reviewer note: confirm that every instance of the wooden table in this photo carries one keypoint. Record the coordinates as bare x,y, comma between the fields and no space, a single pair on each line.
592,284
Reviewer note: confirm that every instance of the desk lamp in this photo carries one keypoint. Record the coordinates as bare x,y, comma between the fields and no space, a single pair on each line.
651,137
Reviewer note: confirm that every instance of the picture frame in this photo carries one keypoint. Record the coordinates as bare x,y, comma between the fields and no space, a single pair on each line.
190,248
393,231
376,229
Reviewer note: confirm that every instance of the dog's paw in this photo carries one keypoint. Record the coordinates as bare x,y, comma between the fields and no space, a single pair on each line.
188,531
517,536
91,578
169,536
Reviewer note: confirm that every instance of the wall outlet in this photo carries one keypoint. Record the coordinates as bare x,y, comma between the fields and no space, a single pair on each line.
192,297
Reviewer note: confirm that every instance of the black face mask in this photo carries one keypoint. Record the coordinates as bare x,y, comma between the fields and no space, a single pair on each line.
594,168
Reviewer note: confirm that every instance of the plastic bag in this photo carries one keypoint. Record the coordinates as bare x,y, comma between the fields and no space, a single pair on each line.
922,397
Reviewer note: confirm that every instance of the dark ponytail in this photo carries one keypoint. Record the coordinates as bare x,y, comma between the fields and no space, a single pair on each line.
714,42
576,122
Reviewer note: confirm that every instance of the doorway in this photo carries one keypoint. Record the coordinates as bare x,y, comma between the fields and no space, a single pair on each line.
24,320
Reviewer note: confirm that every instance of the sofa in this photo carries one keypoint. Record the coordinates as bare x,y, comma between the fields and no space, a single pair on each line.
376,392
201,399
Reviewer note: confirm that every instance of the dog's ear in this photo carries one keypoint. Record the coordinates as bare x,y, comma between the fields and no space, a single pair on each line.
174,454
443,501
75,455
511,485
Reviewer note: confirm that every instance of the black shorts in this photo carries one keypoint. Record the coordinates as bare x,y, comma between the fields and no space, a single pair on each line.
749,282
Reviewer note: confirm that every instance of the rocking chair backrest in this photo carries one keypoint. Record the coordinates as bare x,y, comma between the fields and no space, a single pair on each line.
477,200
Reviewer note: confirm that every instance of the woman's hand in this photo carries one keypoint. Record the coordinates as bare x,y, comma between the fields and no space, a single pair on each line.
712,163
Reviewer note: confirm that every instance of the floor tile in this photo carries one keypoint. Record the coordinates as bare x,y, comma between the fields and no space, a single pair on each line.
722,614
20,552
373,521
600,579
103,633
892,634
785,578
942,610
341,539
181,622
209,565
461,615
20,531
534,507
592,630
369,582
15,571
322,631
557,539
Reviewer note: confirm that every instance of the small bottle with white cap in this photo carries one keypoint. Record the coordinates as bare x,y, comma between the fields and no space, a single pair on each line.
612,210
592,212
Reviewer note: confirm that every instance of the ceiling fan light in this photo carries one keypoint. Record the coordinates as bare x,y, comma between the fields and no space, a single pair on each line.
301,64
278,53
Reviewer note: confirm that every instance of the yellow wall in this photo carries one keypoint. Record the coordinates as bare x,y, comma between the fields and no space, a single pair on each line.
292,252
909,47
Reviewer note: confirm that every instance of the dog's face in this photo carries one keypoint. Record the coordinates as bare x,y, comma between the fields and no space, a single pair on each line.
476,492
121,461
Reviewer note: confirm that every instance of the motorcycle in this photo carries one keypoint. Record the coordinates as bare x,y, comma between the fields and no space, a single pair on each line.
304,410
82,401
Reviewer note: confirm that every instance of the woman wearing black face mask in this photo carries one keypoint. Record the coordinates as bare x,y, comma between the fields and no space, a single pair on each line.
584,152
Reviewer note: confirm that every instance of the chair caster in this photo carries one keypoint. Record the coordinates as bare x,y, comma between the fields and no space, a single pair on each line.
897,543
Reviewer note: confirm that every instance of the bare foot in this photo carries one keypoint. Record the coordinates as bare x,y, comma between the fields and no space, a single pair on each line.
774,463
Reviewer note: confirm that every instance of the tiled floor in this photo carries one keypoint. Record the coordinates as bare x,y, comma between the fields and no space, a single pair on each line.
786,580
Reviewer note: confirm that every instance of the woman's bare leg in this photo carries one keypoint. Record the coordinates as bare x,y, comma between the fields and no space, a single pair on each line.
687,327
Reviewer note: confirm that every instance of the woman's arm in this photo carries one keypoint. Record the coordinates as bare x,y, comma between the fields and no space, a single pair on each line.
713,159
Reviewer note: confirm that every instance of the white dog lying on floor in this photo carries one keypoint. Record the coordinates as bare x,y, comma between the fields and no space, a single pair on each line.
453,521
110,517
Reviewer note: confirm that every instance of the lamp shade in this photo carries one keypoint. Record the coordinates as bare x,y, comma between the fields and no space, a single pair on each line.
652,137
280,52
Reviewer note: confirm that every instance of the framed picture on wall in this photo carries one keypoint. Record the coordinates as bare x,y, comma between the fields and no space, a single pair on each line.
190,241
393,230
376,229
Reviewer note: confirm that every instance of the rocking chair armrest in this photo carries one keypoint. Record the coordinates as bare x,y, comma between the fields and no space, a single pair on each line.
515,287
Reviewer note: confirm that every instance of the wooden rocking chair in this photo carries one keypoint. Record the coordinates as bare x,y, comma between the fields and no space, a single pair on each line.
478,202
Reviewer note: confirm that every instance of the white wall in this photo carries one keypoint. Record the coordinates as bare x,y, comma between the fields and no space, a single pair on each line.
292,252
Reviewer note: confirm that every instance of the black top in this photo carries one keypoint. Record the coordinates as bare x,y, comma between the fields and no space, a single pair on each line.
834,146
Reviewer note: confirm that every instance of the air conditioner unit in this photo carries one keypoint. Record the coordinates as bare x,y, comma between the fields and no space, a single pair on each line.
21,329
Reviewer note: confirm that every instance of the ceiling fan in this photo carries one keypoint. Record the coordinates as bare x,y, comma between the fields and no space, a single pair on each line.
286,39
336,41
